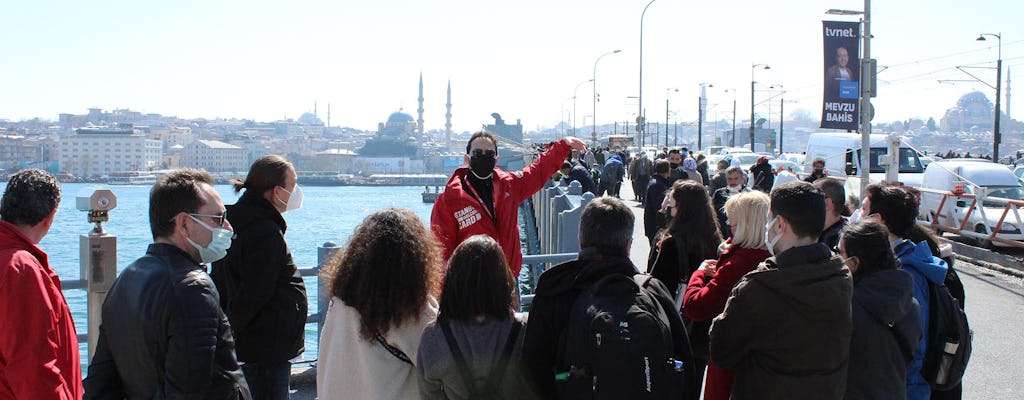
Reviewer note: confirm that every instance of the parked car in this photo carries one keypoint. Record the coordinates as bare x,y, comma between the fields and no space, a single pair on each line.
974,176
1019,172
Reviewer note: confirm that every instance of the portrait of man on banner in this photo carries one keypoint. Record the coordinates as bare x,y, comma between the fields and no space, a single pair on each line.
842,75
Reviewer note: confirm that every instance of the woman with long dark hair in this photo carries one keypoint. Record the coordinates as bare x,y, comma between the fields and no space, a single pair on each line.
885,315
691,236
382,290
474,348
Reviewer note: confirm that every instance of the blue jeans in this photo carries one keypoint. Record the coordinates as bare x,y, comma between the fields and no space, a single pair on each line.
268,381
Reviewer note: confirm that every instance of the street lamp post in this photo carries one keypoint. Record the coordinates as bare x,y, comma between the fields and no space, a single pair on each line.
593,133
753,67
574,105
667,91
782,113
864,94
640,108
996,136
732,142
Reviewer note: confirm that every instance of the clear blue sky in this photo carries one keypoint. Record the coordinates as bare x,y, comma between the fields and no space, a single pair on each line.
265,60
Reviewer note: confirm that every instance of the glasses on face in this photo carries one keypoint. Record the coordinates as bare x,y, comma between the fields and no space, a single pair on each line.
218,220
483,153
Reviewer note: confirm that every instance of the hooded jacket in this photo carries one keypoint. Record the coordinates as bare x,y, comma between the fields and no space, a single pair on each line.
613,171
885,330
556,292
917,259
260,287
38,343
459,212
786,327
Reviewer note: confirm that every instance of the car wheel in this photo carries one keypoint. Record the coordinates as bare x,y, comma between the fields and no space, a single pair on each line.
983,243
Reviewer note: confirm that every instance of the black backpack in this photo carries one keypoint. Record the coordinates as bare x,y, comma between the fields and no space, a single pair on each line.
492,386
949,340
618,344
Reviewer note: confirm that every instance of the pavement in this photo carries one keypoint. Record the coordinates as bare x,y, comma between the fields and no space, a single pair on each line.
994,300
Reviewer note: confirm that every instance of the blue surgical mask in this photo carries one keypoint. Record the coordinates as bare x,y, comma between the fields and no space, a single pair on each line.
218,247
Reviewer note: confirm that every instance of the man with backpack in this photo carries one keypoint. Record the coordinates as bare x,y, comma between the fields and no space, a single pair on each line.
787,325
581,341
944,349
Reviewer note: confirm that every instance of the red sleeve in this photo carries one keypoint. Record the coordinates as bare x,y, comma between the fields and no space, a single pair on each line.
532,178
29,333
442,223
705,298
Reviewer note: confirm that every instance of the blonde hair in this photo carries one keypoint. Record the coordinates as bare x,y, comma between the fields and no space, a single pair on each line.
750,211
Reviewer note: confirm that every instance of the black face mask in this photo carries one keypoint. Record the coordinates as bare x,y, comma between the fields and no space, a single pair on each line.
482,166
674,165
819,170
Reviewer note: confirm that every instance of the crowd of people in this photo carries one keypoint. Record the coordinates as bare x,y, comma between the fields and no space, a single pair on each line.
766,283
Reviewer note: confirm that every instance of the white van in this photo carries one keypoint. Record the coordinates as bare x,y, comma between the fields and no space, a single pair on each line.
976,176
840,149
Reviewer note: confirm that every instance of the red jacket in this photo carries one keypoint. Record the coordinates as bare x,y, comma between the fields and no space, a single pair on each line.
458,214
705,298
38,343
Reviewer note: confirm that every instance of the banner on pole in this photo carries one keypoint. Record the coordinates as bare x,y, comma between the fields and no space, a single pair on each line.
840,108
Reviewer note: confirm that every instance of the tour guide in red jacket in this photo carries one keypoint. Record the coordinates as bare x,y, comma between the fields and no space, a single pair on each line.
482,199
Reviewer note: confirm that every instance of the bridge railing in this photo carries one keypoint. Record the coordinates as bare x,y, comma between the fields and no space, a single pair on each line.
953,214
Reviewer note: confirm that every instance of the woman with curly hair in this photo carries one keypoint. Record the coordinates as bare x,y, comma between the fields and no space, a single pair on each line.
712,283
382,290
474,348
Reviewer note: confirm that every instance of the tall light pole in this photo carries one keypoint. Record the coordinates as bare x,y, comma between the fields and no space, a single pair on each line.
753,67
865,93
732,142
782,114
700,113
996,136
641,124
667,92
593,133
574,105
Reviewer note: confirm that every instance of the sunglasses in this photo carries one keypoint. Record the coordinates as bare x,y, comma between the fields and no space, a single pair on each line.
483,153
218,220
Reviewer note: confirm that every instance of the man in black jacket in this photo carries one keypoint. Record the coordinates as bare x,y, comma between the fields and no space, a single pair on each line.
653,218
606,229
163,333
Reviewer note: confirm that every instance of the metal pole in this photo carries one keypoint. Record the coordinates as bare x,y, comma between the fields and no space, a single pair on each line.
593,133
700,120
732,143
640,107
996,135
865,103
751,109
782,117
666,118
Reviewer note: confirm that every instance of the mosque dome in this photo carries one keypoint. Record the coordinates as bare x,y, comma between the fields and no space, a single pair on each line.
400,117
972,98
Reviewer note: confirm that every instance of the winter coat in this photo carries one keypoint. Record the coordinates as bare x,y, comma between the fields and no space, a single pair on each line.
705,299
352,367
556,292
164,335
481,344
613,171
924,268
830,236
763,177
885,330
655,194
459,214
581,175
38,343
718,181
260,287
786,327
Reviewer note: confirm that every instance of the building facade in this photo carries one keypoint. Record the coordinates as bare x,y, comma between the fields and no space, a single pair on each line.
214,156
101,151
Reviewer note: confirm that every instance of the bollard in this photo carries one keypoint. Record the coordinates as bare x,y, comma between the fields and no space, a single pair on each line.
324,254
97,257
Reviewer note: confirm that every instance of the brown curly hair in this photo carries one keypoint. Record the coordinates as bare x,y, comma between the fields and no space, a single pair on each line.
387,270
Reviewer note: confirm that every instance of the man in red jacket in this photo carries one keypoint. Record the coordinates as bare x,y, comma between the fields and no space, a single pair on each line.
38,343
482,199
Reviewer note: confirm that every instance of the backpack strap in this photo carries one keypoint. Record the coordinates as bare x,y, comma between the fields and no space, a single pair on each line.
460,360
398,353
501,364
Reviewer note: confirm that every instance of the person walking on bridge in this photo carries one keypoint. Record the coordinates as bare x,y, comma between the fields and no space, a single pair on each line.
38,343
480,198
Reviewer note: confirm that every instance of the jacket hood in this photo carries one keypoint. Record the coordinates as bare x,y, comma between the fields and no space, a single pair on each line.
253,207
887,295
592,264
919,257
810,280
13,238
614,159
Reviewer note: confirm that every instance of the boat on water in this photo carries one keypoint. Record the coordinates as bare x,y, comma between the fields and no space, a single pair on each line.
431,196
132,178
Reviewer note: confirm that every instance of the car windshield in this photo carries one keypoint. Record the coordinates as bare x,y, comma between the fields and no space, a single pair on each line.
909,162
1004,192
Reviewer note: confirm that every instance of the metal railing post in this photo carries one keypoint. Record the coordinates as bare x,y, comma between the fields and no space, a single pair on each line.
324,254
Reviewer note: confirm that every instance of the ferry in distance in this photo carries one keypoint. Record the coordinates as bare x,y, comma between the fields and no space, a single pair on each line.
132,178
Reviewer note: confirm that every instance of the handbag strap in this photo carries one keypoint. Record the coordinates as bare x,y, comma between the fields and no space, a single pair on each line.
501,365
398,353
460,360
497,369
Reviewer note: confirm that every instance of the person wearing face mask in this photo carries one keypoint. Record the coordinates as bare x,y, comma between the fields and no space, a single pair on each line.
261,288
818,171
480,198
734,179
786,326
885,315
163,332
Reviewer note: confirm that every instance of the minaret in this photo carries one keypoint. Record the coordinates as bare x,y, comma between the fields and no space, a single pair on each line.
328,114
448,118
419,111
314,108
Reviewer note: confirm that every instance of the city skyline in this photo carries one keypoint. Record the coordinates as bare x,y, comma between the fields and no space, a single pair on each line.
265,62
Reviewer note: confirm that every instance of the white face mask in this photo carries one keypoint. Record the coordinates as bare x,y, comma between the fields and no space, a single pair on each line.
294,199
770,242
855,216
218,247
734,188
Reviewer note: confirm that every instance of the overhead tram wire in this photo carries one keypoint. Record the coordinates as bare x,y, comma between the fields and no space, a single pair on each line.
923,60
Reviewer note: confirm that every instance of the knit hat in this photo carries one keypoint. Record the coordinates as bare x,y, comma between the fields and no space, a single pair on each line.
762,160
689,163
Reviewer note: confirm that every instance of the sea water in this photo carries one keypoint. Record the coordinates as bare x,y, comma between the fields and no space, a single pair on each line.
328,214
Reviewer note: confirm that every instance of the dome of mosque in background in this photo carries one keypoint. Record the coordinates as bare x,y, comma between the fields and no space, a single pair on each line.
400,118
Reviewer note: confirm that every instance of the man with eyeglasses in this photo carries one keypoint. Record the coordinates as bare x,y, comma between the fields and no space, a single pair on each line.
482,199
164,334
